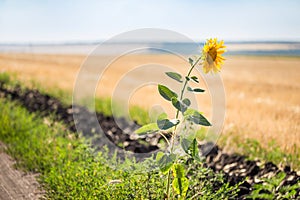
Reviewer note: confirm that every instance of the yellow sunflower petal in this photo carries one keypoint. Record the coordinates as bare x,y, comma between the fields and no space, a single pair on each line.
212,55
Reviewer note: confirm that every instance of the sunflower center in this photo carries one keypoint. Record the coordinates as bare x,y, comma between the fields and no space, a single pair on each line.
212,54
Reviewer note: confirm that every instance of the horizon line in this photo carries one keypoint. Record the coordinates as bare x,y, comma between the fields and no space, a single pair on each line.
95,42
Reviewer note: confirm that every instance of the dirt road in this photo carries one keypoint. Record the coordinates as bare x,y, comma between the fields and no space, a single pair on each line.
15,184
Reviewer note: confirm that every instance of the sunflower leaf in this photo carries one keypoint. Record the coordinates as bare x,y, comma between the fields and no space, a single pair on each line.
195,89
165,161
191,61
195,78
163,123
166,93
181,105
190,147
180,182
149,128
186,102
194,116
175,76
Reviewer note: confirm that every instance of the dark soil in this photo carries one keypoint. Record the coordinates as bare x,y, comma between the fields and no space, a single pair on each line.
235,167
80,119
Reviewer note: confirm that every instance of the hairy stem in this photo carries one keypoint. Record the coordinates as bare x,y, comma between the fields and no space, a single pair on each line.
177,114
181,97
186,81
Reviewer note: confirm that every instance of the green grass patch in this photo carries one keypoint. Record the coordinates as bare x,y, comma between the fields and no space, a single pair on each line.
254,150
101,104
269,189
136,113
69,169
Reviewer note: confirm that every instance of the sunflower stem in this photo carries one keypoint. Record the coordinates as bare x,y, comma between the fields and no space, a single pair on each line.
186,81
174,131
181,97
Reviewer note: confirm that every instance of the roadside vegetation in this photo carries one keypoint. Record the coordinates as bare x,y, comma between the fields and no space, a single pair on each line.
253,149
70,169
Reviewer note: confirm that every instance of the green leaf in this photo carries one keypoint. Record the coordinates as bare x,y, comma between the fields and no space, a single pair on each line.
163,123
189,111
176,103
162,116
198,90
166,93
148,128
195,150
195,78
190,147
187,78
186,101
189,89
185,144
181,106
195,90
178,171
175,76
196,117
180,183
165,161
191,61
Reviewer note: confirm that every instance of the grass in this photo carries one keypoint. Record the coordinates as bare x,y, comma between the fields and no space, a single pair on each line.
136,113
69,169
67,166
253,149
269,190
102,105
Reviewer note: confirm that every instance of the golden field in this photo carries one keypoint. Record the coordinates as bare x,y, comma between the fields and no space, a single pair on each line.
262,93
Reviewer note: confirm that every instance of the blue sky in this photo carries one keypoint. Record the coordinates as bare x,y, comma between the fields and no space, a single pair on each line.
78,20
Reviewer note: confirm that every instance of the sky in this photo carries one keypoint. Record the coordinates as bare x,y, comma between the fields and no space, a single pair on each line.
36,21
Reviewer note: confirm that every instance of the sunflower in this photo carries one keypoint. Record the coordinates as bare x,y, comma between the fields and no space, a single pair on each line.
212,55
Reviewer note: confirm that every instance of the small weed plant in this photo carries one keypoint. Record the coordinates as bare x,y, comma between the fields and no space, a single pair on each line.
272,189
